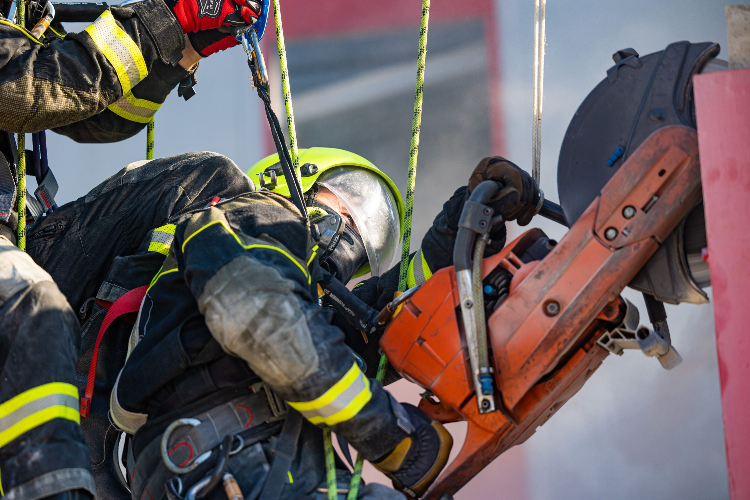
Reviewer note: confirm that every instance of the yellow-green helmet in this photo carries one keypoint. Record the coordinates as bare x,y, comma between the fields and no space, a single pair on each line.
370,196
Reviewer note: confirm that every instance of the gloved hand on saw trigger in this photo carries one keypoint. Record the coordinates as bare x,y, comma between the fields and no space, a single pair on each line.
415,463
517,200
210,24
519,196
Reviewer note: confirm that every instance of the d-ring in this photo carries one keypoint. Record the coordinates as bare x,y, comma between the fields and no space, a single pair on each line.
165,453
240,445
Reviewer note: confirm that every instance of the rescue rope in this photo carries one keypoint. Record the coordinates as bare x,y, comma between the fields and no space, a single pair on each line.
21,189
150,140
416,126
20,20
414,150
294,152
536,130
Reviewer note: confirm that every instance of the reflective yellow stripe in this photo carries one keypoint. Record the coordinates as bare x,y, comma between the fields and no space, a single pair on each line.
166,228
247,247
157,247
339,403
134,109
28,35
161,239
419,271
159,276
34,407
61,36
314,253
120,50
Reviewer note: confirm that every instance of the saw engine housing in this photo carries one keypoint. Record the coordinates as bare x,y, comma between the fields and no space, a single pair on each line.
543,336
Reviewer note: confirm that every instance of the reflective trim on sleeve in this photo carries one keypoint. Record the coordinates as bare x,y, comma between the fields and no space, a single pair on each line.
161,239
34,407
419,271
247,247
339,403
120,50
134,109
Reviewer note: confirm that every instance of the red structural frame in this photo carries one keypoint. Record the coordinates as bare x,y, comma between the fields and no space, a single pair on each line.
723,111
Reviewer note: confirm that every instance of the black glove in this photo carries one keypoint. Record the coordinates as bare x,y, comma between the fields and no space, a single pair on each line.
417,460
437,244
518,198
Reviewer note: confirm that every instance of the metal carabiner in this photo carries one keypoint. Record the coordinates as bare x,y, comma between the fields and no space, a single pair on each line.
194,422
252,49
193,492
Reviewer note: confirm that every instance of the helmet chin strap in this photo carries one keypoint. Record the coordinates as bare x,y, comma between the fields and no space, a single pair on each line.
341,247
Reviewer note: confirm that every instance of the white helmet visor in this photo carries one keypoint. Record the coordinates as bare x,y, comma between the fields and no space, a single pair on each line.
372,206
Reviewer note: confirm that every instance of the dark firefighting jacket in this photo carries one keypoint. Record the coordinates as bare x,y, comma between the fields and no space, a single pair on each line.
100,85
236,303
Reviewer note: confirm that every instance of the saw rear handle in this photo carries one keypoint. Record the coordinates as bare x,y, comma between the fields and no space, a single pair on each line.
476,221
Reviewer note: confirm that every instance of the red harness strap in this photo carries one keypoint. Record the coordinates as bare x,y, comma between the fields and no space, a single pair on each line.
128,303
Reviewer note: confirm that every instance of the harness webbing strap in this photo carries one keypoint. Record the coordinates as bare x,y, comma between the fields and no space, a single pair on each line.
128,303
283,454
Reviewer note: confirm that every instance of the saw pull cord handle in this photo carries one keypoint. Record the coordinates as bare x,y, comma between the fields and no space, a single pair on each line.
476,219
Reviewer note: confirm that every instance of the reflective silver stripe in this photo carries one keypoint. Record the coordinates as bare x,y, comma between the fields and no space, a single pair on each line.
418,272
138,109
120,50
340,403
163,238
35,406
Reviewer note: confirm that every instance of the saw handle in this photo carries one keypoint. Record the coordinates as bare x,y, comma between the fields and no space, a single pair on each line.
476,218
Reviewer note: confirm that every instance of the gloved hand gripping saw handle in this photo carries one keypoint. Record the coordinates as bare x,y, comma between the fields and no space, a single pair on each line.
476,220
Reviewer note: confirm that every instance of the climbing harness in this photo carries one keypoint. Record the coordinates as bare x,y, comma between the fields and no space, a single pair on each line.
536,130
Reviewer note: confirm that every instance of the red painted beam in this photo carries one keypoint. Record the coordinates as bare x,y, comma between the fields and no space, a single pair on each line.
303,18
722,108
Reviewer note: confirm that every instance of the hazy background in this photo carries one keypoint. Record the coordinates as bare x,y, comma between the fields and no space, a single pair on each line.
635,430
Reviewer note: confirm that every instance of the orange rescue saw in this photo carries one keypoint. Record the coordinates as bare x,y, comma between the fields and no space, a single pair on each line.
562,315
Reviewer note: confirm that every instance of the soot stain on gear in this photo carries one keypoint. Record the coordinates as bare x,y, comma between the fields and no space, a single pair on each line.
272,335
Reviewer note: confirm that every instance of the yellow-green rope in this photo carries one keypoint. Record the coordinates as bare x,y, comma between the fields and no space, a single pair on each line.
293,150
150,140
416,125
21,189
330,465
414,150
20,20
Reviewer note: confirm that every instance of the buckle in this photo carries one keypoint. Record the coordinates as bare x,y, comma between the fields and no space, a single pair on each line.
278,406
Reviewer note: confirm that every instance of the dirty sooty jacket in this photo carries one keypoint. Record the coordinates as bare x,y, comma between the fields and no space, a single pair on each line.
234,303
103,84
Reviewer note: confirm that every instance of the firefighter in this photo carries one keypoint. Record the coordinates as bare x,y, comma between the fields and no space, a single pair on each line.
237,369
100,85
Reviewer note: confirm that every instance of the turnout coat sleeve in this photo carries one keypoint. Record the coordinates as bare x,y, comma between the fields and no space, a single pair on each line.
113,75
248,264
